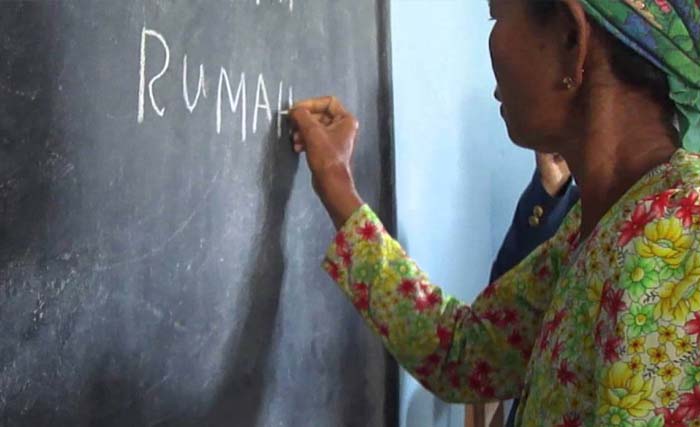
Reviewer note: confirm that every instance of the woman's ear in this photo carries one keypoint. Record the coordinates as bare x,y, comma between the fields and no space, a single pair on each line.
577,30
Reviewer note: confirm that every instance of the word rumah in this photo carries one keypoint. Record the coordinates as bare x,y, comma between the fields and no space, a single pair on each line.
237,104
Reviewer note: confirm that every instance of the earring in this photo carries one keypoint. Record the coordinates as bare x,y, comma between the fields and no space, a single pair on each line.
569,82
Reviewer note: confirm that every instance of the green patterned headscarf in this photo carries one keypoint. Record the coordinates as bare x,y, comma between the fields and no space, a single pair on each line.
666,32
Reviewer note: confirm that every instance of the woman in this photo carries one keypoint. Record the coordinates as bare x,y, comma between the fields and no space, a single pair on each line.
599,326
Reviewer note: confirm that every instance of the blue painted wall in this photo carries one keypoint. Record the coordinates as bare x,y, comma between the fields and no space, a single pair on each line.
458,175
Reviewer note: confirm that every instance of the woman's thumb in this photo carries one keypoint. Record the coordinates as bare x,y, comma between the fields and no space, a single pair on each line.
303,120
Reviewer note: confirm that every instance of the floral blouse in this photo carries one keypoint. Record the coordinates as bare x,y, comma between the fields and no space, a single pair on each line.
597,333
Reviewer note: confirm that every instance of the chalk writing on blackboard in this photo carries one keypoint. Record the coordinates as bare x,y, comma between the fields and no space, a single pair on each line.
201,88
237,100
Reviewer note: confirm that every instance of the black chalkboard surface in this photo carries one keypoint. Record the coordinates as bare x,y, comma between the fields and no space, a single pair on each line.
159,241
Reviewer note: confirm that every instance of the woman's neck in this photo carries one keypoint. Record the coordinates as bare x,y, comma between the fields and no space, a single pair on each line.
625,135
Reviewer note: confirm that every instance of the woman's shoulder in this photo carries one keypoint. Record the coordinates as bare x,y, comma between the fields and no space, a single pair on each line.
674,188
653,247
686,170
668,199
669,193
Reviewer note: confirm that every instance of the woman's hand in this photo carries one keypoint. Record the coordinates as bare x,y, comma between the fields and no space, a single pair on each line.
554,172
326,132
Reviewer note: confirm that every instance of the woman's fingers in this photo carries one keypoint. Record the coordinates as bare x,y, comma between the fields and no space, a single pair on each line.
348,125
335,108
325,105
304,120
298,144
307,126
325,119
318,121
314,105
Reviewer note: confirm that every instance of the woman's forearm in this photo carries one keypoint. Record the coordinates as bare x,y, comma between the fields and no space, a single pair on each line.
336,189
461,353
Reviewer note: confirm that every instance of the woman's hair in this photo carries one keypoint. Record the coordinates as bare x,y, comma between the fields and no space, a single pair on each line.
627,65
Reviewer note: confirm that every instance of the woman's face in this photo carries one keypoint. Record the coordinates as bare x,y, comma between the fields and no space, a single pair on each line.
527,58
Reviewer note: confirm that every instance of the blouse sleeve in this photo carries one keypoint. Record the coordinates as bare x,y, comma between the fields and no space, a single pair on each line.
459,352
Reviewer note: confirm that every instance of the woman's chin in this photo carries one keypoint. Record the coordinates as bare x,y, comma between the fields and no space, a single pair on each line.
520,140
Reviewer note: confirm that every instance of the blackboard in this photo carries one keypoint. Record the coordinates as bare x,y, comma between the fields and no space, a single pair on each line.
159,240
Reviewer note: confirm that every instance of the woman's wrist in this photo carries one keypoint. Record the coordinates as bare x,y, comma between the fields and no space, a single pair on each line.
336,189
